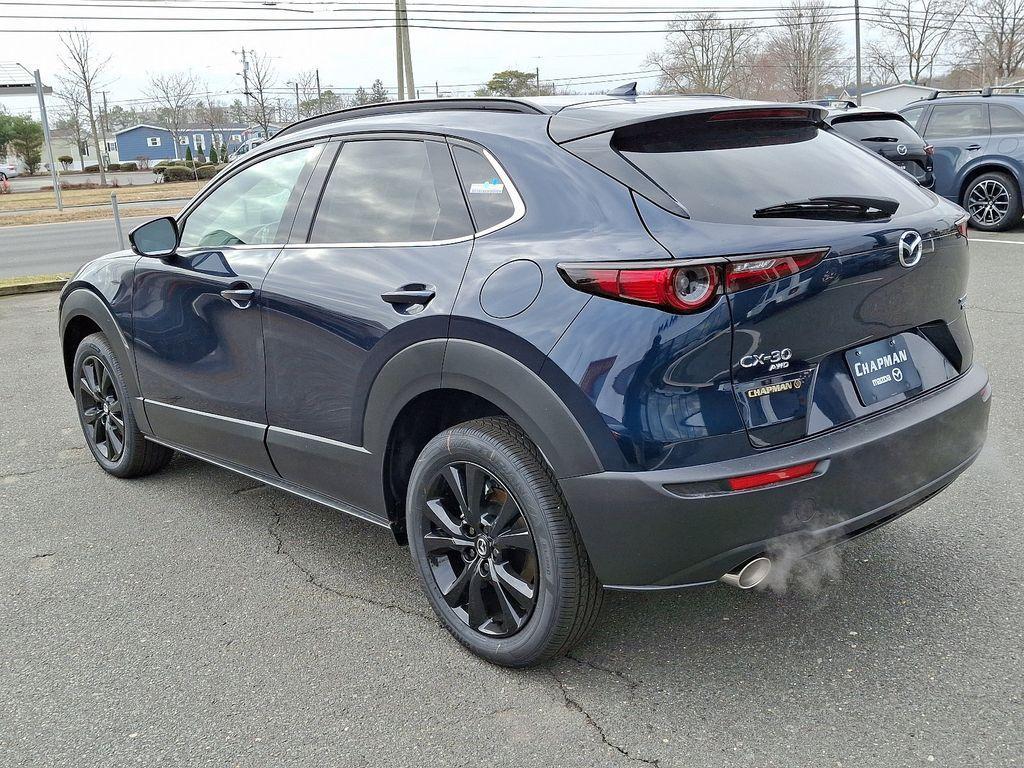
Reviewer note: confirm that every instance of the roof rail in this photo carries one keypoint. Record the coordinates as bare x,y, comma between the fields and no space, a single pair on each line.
417,105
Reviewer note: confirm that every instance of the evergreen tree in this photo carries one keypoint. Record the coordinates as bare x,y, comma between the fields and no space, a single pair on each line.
360,97
188,156
213,156
378,93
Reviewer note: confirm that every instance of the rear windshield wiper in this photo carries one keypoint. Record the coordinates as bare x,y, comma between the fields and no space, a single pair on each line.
845,208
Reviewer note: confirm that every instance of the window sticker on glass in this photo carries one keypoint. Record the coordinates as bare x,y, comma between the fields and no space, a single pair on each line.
491,187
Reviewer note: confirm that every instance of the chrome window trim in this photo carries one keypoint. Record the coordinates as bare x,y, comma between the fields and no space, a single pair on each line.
518,206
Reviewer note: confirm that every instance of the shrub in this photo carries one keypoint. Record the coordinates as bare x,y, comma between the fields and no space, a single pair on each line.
213,155
178,173
114,167
129,166
188,155
206,171
66,161
91,168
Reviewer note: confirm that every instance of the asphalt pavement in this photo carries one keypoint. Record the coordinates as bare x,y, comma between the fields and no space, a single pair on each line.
198,618
47,249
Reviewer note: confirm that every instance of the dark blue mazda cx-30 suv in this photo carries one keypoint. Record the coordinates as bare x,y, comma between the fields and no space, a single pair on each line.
556,345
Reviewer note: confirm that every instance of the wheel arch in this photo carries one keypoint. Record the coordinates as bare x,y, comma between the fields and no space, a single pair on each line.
986,166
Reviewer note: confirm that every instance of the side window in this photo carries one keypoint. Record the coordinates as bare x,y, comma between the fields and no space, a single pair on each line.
949,121
489,201
391,191
247,209
1005,119
913,116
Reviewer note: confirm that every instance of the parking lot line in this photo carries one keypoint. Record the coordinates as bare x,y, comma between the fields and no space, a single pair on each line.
988,240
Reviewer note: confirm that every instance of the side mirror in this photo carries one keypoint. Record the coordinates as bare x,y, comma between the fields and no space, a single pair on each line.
158,238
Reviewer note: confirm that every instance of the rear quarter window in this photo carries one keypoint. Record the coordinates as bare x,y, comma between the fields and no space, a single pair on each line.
489,200
725,171
1006,119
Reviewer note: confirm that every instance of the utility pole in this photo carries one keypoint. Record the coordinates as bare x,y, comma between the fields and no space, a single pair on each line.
245,75
537,75
46,138
856,21
410,84
298,107
106,128
437,90
319,96
399,52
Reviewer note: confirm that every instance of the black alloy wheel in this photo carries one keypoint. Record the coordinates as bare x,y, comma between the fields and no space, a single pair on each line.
480,549
101,409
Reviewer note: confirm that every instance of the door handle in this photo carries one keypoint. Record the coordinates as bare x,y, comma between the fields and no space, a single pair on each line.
240,298
973,147
410,295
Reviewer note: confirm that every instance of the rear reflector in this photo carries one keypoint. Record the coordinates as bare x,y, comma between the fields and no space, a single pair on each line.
751,271
761,479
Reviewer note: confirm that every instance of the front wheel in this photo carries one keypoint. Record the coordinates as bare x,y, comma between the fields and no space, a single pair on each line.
497,552
106,415
993,202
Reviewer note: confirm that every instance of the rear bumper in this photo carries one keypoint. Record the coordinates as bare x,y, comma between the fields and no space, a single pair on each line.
642,535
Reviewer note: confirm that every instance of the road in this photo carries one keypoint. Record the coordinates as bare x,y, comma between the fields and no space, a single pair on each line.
46,249
35,183
198,618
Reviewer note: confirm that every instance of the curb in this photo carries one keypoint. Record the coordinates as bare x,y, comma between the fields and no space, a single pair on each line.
33,285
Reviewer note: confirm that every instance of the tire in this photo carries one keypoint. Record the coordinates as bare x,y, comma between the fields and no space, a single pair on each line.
535,550
993,202
105,413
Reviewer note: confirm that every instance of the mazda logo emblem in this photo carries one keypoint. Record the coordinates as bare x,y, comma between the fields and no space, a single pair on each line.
911,248
901,149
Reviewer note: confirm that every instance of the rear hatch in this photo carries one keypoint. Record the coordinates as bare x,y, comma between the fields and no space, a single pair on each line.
857,328
890,136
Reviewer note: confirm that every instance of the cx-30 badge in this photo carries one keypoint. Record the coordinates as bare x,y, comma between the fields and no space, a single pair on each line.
911,248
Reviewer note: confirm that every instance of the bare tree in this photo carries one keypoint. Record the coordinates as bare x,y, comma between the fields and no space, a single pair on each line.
71,115
260,108
806,49
994,39
83,70
212,114
705,54
915,33
173,94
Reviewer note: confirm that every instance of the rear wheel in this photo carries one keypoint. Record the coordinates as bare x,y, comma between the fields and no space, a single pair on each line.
993,202
496,549
106,415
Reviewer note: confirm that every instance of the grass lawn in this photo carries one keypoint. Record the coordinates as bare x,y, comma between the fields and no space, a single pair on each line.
20,201
85,214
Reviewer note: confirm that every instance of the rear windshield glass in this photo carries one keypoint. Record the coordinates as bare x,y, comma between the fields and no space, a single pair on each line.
894,131
725,170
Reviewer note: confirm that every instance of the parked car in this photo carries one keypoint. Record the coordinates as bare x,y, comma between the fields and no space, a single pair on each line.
555,345
888,134
979,152
8,171
245,148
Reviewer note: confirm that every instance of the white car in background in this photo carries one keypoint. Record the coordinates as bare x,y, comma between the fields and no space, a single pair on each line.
8,171
245,148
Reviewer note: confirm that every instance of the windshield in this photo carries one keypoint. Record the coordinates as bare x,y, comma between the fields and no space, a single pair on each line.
725,170
889,130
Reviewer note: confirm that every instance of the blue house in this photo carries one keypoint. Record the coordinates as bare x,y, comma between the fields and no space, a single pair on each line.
154,143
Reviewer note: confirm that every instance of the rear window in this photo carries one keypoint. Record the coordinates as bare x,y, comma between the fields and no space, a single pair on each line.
888,130
723,171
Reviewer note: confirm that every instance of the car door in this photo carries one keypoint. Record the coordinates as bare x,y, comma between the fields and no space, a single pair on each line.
198,333
960,134
378,270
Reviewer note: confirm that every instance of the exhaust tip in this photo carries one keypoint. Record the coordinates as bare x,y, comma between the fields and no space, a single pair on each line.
748,575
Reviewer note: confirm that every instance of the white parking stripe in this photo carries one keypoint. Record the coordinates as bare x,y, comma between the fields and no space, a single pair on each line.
986,240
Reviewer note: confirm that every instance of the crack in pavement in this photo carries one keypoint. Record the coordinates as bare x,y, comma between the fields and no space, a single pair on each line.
630,683
997,311
42,555
573,704
316,582
37,470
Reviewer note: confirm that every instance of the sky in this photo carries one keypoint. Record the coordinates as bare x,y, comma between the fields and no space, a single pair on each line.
139,37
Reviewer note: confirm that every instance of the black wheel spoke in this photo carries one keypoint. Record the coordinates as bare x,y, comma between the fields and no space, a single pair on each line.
455,595
101,410
439,516
518,589
480,550
515,540
477,608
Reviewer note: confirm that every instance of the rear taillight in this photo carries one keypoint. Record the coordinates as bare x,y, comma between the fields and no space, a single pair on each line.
753,271
929,149
685,287
961,226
